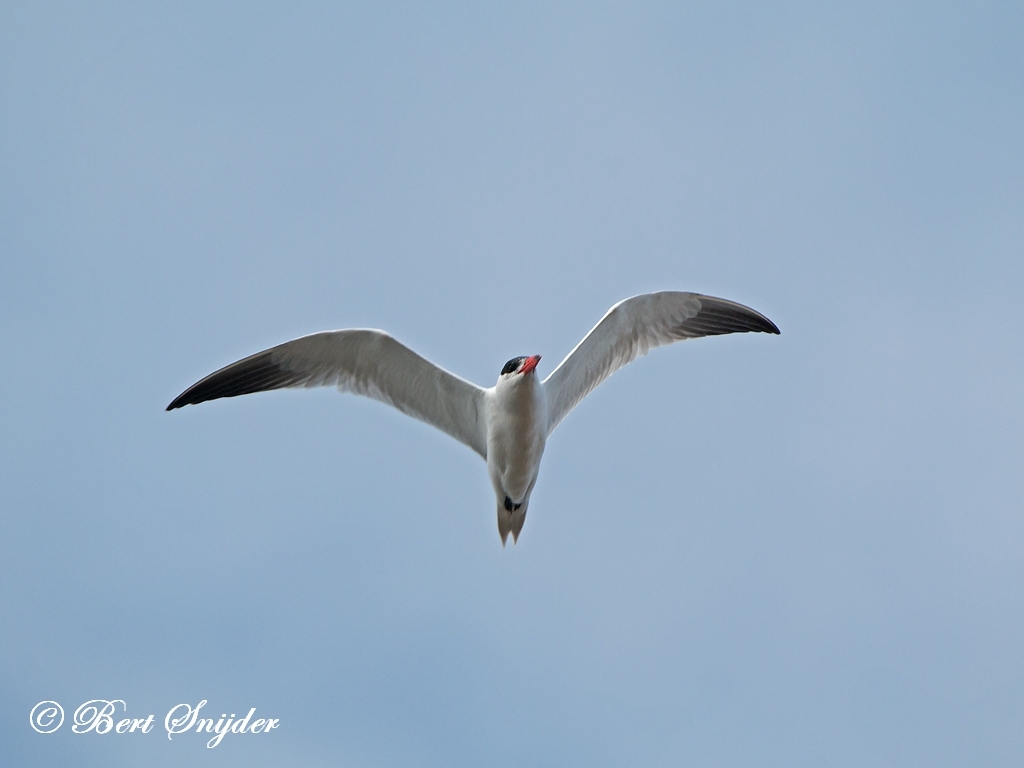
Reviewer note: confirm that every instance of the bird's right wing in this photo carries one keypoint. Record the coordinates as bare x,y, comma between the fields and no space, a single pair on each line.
365,362
633,327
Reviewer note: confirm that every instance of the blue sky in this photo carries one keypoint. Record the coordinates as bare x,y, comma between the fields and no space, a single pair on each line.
751,550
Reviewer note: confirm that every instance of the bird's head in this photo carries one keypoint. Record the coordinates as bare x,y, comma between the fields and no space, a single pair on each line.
519,366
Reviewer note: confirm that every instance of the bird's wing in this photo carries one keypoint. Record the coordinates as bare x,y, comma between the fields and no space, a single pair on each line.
365,362
633,327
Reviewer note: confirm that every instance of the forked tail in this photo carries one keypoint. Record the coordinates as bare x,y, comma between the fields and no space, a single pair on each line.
510,519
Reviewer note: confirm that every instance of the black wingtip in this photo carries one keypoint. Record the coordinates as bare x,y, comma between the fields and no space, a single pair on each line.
721,316
763,325
180,401
257,373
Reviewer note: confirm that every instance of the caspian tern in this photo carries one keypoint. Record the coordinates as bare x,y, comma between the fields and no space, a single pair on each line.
507,424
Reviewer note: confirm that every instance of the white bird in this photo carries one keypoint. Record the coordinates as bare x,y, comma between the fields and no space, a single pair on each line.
507,424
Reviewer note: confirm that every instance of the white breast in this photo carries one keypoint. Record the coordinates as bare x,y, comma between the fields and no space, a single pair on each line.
516,433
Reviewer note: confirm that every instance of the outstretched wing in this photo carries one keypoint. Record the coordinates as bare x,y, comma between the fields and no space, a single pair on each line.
633,327
362,361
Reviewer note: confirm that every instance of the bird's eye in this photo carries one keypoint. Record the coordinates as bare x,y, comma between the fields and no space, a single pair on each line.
511,366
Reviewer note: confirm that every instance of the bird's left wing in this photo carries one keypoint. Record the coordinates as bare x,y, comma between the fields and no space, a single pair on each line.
633,327
364,362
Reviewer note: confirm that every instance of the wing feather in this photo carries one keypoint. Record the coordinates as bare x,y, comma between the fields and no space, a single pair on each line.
364,362
633,327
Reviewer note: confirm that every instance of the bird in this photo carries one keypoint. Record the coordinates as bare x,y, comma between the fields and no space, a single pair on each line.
508,424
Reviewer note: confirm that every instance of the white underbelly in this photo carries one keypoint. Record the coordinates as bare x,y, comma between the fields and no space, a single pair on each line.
514,456
516,434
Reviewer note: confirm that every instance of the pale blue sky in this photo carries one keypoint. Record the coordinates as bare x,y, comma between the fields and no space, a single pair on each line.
800,550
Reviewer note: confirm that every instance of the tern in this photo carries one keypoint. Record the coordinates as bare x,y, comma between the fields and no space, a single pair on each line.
507,424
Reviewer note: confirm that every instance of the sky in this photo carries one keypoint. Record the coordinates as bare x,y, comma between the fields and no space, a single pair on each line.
800,550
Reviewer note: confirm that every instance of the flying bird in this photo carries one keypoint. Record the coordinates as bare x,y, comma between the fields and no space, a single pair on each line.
507,424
